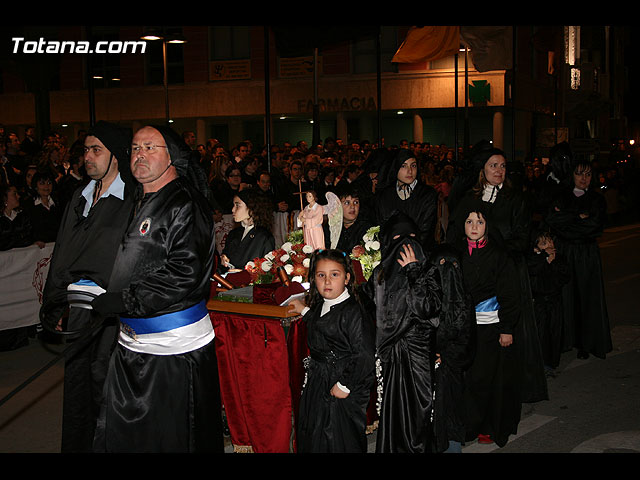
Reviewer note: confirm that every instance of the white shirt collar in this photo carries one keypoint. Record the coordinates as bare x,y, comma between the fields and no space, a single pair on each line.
12,215
327,304
116,189
404,190
490,192
247,228
38,201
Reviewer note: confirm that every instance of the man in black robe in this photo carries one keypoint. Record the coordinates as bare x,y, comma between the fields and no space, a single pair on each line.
90,231
162,391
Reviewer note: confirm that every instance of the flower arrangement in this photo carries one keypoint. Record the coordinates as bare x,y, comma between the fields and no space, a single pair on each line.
293,256
368,252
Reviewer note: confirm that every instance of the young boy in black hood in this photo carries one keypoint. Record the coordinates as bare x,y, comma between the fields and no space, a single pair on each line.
548,272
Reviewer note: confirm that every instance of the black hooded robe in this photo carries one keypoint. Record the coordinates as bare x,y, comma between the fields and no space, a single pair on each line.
455,344
342,347
162,391
586,319
407,301
421,205
492,383
85,249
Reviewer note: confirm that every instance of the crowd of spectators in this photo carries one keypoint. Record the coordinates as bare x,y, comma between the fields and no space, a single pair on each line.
44,173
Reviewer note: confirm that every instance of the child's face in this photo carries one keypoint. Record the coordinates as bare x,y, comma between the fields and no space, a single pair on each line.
330,278
475,227
544,243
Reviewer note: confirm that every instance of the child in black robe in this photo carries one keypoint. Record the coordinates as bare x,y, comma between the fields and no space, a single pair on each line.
492,383
455,346
341,367
548,272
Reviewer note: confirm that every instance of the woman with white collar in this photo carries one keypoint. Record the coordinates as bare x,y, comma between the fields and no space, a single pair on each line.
15,227
253,237
512,215
45,214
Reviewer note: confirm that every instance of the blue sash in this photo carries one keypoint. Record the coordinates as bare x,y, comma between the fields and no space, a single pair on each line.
488,305
168,321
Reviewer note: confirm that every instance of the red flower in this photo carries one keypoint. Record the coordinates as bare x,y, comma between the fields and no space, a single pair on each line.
358,250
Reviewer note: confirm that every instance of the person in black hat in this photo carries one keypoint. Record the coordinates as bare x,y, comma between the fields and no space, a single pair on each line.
91,228
162,390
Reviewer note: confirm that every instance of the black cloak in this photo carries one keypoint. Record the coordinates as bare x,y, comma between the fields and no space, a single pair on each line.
511,216
586,318
455,345
407,301
421,205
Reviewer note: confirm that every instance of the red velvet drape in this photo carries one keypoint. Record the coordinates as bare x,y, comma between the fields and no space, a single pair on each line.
254,381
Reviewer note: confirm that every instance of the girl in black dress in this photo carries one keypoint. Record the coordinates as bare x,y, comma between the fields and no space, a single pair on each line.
341,367
492,393
253,238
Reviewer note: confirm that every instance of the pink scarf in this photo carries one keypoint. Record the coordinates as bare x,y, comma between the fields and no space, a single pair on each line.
476,244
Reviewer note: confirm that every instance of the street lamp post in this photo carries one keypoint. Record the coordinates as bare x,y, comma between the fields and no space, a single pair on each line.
166,39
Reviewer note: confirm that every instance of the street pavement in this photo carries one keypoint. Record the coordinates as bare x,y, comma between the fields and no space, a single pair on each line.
593,405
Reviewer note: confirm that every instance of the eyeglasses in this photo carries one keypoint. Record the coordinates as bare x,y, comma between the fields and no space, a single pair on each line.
146,148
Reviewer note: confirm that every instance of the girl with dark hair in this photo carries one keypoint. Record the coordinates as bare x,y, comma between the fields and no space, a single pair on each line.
341,366
401,190
492,394
576,218
511,221
15,227
406,292
253,238
44,213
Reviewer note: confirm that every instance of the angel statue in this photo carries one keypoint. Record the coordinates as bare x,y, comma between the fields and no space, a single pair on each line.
311,218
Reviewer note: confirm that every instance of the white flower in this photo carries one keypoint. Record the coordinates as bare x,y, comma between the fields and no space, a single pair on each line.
250,265
375,245
367,245
284,258
270,256
297,278
307,249
286,246
306,262
288,268
266,266
367,237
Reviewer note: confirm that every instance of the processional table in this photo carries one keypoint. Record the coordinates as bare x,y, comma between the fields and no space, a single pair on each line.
260,350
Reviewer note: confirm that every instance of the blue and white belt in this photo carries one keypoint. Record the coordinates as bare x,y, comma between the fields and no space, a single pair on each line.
166,322
81,293
487,311
168,334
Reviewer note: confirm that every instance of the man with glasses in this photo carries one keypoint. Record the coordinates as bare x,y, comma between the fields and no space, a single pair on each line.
92,226
162,392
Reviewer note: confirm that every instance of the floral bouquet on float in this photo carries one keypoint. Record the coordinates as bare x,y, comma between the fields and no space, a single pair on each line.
367,254
292,257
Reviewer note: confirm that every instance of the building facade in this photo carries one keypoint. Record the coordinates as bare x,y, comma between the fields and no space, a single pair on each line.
561,84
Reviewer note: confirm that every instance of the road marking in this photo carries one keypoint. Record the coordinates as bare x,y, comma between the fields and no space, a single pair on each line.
526,425
615,241
629,440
